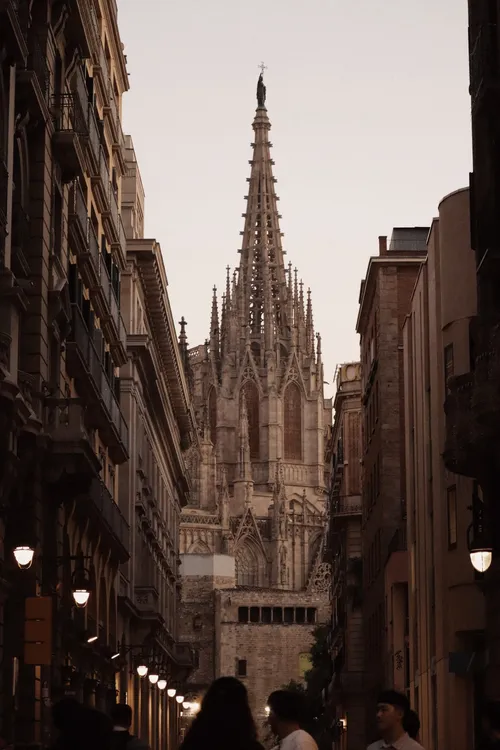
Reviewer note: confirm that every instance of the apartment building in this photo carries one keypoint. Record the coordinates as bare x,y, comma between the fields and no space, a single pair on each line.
383,304
446,607
69,493
345,547
155,485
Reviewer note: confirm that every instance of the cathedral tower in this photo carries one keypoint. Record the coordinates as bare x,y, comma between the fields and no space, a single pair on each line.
258,503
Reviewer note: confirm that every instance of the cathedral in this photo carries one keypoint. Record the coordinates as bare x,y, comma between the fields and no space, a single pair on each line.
254,581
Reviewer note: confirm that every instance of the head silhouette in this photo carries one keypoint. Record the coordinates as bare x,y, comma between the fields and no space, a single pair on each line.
224,720
411,724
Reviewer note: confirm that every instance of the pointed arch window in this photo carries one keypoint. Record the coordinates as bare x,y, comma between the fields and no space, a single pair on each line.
212,414
250,566
252,400
293,423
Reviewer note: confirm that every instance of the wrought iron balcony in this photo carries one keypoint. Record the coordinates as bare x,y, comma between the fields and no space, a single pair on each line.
88,261
71,134
101,73
459,453
34,79
106,512
83,360
85,365
71,449
78,220
14,16
81,28
108,308
100,183
111,111
94,142
112,220
346,506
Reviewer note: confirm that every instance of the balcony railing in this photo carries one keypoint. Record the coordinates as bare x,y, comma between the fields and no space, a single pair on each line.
108,511
77,212
72,117
101,386
100,182
94,247
94,136
347,506
81,337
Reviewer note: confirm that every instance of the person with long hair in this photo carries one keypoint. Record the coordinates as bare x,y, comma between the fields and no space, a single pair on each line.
224,721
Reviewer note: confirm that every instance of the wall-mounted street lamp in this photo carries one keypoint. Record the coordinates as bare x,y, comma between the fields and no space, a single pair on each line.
179,698
171,692
80,585
162,684
23,556
80,578
142,670
154,676
479,540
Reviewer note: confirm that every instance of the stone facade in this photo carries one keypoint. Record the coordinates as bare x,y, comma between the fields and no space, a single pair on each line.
446,607
345,550
384,303
64,438
259,473
154,485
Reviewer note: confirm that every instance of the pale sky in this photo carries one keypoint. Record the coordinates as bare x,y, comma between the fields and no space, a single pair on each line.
369,106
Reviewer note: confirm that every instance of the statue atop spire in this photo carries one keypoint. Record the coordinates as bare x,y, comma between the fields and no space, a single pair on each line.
261,91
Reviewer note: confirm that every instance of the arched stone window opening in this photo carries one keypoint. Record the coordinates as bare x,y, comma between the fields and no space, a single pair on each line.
250,566
252,400
293,423
212,415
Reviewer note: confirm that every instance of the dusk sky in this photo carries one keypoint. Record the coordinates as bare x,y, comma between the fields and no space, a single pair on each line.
369,107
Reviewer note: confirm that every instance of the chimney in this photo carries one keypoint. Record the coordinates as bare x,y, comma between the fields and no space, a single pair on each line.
382,245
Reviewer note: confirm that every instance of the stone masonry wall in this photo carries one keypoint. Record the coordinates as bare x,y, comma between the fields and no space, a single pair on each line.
271,650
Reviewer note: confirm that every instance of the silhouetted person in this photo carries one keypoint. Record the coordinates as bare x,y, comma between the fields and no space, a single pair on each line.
224,721
67,719
411,724
287,711
96,730
122,739
392,710
491,726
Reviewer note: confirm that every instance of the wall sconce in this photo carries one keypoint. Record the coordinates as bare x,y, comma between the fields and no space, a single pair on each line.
24,556
179,699
171,692
162,684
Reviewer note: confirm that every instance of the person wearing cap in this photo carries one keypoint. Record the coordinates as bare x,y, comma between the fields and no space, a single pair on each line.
392,710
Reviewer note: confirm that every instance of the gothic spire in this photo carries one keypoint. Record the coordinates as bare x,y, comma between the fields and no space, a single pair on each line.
262,282
214,327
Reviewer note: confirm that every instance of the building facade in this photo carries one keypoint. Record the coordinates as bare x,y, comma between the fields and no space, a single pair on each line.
446,607
64,435
253,537
91,459
472,402
384,302
154,485
345,548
